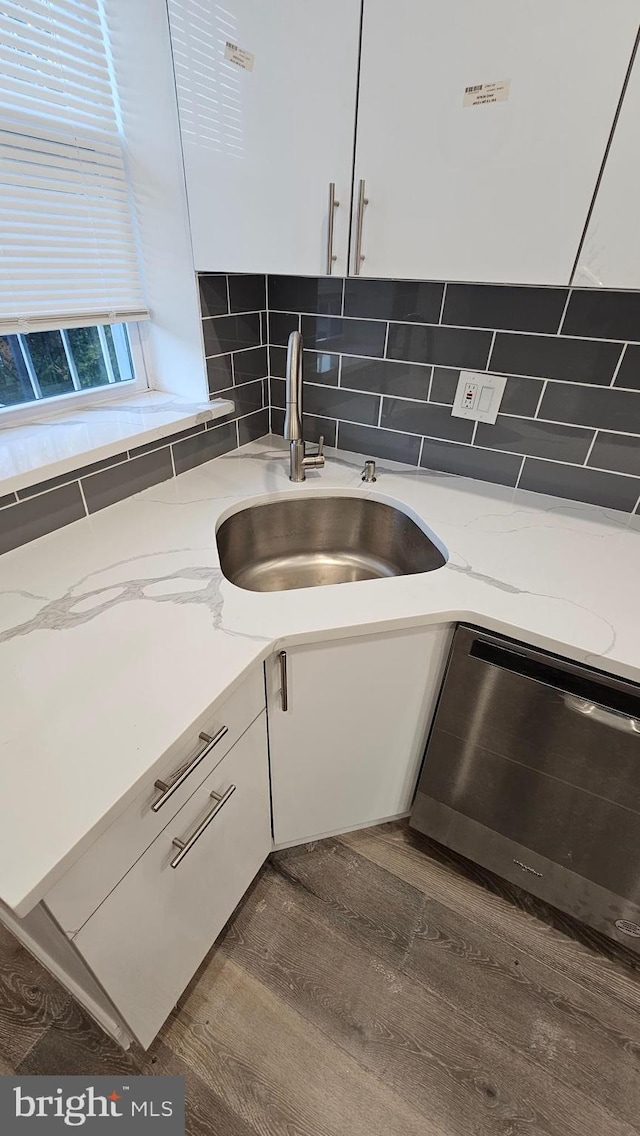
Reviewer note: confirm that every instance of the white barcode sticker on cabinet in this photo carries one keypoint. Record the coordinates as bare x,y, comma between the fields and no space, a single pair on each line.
239,56
482,93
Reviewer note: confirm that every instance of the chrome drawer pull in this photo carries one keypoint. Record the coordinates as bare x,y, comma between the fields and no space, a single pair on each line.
180,776
362,203
186,845
333,205
284,689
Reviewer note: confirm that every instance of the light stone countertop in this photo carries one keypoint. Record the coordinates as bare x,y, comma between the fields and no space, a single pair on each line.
77,435
119,632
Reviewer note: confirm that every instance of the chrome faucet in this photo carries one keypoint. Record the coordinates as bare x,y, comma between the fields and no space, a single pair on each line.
299,462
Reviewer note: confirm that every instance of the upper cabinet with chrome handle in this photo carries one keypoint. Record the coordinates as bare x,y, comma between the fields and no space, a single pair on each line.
478,160
264,143
464,151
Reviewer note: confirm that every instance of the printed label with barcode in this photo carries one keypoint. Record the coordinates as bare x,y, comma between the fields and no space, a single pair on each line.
239,56
479,94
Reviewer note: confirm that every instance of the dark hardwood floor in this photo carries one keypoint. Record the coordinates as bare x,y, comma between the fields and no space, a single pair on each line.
374,983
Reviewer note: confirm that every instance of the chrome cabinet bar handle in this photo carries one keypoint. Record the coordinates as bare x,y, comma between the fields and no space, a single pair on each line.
333,205
362,202
185,846
596,713
284,693
167,789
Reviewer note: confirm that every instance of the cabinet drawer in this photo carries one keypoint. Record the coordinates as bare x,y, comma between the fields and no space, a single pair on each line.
186,764
150,935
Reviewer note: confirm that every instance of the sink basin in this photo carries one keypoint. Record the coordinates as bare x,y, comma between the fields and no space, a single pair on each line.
304,542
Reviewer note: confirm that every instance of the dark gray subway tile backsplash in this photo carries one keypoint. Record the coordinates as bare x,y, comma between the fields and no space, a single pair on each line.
592,406
442,346
40,515
320,295
552,357
505,307
381,363
471,461
410,301
569,423
346,336
594,312
628,374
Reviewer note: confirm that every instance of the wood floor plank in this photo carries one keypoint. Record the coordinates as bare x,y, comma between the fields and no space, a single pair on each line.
379,908
555,1022
82,1048
274,1068
461,1079
552,1021
30,1000
402,855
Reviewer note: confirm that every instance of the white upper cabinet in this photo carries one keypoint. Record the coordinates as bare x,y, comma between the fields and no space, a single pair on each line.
497,191
610,255
265,135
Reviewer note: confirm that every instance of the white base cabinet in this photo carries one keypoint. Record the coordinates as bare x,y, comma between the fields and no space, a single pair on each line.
147,939
347,750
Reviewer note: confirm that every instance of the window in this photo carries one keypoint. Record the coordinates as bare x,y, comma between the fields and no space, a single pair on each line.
69,265
47,364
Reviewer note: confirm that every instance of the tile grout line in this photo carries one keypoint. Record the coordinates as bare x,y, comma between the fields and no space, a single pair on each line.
342,297
379,410
226,276
468,446
552,335
564,311
618,366
444,293
84,500
591,445
443,366
539,403
420,451
429,387
386,341
520,472
493,342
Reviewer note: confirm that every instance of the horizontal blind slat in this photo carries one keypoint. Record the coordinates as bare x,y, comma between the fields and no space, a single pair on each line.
67,239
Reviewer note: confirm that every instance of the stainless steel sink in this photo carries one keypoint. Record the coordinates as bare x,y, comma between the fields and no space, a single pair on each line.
304,541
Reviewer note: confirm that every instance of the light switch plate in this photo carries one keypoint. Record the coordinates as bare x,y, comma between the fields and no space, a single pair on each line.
478,395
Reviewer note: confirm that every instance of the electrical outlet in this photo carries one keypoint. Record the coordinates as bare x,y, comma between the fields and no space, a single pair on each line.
478,396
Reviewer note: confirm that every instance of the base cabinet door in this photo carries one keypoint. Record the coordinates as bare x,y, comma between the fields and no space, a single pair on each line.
347,749
149,936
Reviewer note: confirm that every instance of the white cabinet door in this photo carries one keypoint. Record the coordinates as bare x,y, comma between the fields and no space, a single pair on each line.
610,255
149,936
347,750
262,140
497,191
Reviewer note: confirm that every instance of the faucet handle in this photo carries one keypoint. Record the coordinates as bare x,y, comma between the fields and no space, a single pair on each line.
320,446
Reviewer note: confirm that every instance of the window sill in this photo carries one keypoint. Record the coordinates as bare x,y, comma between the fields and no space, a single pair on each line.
63,443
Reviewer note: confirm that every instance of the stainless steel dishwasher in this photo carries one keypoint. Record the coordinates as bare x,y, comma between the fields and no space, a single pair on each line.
533,769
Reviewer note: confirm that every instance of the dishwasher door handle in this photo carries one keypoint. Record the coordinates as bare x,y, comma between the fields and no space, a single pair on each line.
595,713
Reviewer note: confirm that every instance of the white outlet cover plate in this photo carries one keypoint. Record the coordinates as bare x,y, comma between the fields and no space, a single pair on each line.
478,396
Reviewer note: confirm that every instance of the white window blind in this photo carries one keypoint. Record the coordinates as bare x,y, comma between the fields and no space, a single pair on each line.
68,253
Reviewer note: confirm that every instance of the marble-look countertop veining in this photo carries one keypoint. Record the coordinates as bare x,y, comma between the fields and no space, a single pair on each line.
80,435
119,632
